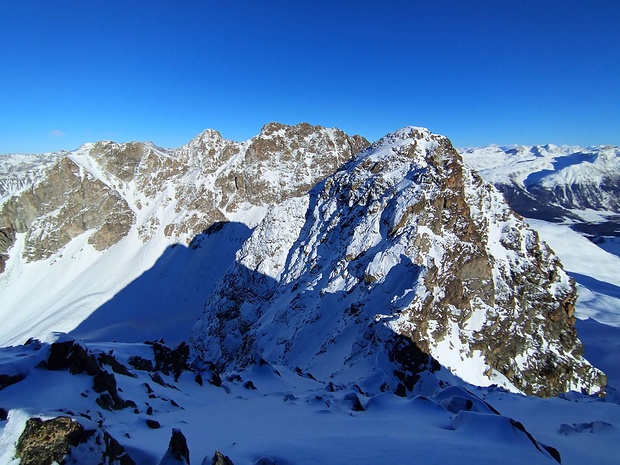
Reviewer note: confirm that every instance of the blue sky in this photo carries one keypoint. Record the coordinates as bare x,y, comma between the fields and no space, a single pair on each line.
479,72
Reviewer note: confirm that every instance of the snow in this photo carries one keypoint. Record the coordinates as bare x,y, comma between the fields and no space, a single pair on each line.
10,433
294,419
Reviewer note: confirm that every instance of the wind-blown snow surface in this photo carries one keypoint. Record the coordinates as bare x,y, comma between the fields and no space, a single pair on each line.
294,419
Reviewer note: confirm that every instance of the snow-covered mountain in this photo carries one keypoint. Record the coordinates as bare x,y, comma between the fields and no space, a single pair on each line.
579,185
355,303
402,251
94,220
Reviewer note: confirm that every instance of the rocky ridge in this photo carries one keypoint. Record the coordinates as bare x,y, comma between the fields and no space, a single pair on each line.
402,258
107,189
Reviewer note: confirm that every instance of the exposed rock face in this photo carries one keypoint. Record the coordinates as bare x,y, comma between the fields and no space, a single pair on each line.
66,203
219,459
65,441
178,452
402,241
108,188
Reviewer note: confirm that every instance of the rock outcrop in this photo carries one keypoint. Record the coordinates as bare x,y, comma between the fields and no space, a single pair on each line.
177,452
404,243
66,441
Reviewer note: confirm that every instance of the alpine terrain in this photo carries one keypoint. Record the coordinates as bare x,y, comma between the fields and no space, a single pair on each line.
309,297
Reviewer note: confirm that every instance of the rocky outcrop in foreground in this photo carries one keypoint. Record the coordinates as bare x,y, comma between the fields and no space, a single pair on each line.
66,441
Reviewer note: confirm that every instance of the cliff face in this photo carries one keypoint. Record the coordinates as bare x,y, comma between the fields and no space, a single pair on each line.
402,254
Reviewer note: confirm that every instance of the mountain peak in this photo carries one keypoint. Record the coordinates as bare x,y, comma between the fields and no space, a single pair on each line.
393,264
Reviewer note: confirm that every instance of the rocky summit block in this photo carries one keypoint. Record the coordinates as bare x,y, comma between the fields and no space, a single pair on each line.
402,246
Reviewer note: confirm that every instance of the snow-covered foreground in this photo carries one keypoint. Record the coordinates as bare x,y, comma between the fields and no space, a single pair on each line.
294,419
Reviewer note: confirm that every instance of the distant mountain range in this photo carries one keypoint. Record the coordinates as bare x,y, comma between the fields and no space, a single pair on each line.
576,185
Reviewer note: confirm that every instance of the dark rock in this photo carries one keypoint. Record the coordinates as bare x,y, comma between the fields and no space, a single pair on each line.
104,381
4,414
52,441
178,451
354,401
400,390
70,355
156,377
215,379
220,459
140,363
411,361
171,361
552,451
114,452
33,342
249,385
8,380
198,378
109,402
263,362
300,372
234,378
149,410
153,424
117,367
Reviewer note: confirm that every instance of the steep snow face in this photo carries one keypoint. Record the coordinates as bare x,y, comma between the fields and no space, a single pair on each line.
553,183
92,221
401,254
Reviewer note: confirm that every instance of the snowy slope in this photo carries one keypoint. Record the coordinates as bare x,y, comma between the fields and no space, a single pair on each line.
289,417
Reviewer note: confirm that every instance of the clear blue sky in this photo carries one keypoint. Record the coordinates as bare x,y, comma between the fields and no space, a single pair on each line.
479,72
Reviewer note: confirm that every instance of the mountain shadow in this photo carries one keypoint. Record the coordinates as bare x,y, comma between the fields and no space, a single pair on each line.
166,300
